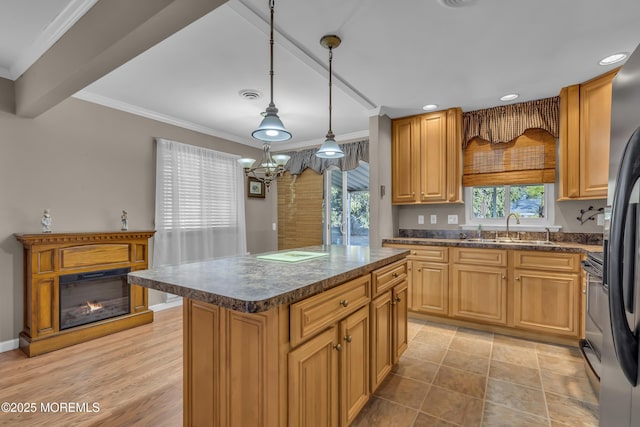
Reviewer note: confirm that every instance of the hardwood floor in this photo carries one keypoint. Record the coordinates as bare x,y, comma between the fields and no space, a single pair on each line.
135,377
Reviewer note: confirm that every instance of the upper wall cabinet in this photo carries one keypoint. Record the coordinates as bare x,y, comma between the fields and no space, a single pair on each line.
585,124
426,158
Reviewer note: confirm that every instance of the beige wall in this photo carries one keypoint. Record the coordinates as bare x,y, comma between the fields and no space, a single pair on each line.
565,216
86,163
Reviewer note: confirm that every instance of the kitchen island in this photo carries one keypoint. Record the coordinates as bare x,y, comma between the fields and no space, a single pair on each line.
275,343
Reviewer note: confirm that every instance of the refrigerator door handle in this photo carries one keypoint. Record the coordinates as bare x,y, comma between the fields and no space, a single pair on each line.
624,340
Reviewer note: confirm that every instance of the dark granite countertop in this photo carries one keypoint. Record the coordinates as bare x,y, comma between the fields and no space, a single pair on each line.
251,285
555,247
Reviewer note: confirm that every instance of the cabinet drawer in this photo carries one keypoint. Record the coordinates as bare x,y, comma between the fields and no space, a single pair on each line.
425,253
546,261
495,257
309,316
389,276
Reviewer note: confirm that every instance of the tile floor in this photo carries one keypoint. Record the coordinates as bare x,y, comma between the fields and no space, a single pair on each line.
452,376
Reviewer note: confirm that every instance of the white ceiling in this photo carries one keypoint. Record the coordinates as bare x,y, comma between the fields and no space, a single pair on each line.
395,57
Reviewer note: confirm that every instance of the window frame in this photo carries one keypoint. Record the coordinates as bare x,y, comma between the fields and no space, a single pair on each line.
530,224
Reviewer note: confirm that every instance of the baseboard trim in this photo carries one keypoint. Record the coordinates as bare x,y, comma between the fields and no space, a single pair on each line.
166,305
8,345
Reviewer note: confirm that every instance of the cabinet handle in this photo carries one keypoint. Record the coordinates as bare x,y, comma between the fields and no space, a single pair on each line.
344,303
348,338
338,347
394,274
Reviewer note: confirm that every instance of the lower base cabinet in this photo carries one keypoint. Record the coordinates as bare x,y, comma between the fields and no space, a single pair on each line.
525,292
329,374
479,293
243,369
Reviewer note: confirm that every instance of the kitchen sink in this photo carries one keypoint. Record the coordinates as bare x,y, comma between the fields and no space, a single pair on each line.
507,241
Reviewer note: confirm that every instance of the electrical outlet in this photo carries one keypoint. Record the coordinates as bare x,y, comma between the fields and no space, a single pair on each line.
600,219
273,226
420,219
434,219
452,219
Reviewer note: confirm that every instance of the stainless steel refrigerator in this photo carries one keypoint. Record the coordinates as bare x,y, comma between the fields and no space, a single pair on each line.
619,385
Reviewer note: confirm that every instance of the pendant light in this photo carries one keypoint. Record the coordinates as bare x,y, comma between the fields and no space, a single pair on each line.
271,129
329,148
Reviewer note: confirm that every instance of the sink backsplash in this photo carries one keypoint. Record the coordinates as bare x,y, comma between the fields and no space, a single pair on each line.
582,238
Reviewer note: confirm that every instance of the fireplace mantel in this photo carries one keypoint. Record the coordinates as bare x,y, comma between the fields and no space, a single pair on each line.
47,256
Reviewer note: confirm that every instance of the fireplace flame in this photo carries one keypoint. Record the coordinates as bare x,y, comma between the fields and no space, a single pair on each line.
93,306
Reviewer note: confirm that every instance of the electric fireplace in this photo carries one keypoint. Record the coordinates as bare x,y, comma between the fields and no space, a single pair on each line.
93,296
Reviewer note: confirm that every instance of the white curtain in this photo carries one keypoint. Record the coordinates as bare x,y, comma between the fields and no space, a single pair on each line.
199,204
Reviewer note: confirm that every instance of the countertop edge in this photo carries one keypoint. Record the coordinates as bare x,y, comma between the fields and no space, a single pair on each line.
556,247
257,306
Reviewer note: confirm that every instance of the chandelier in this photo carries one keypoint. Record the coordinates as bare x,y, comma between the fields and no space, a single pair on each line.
329,148
270,167
271,128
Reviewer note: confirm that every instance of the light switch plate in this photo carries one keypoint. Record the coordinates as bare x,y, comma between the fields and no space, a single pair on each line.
420,219
452,219
434,219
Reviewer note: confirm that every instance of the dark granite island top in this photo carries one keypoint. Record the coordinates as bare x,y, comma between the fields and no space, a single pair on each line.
251,285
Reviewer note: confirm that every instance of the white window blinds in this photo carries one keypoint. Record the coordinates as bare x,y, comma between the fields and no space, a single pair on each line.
199,204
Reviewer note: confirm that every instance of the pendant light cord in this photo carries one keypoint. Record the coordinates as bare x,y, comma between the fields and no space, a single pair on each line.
271,7
330,73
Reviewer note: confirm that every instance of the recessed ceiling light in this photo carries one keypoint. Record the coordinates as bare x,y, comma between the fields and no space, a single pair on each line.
430,107
509,97
612,59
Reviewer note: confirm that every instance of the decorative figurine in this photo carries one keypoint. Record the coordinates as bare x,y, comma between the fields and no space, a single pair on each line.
125,221
46,221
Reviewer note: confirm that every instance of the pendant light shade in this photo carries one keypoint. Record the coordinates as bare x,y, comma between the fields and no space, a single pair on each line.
271,129
330,148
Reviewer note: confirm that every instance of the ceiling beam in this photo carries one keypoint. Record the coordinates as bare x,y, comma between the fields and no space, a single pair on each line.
107,36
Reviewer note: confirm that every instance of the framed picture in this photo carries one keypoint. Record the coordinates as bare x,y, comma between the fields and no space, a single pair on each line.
255,188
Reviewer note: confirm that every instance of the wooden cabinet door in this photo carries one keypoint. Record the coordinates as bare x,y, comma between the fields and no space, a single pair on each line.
381,339
354,365
405,161
400,302
313,381
202,400
433,157
547,301
480,293
595,126
430,287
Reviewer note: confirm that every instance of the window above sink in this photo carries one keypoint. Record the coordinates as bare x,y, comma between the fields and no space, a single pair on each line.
489,206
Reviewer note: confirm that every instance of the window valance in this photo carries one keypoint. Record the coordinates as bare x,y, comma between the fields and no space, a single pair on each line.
353,153
507,122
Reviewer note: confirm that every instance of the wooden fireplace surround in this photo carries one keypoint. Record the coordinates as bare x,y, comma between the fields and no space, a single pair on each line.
47,256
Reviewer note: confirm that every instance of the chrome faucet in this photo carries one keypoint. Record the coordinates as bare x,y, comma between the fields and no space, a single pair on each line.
546,229
515,215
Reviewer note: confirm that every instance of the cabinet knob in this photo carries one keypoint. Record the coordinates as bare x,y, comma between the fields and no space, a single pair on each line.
398,299
420,269
338,347
413,193
517,277
348,338
344,303
394,274
413,252
505,277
